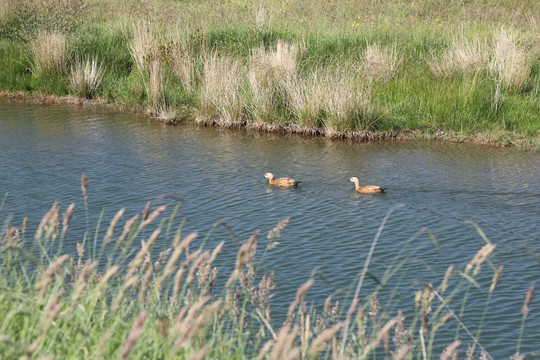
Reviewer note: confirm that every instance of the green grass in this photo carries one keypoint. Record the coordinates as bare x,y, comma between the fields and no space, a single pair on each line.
327,34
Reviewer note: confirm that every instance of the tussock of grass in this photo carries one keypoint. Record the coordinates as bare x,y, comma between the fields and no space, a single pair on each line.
86,77
48,53
221,86
510,63
463,57
380,63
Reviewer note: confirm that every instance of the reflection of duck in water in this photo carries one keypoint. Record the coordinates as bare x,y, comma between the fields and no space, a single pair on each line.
284,181
368,189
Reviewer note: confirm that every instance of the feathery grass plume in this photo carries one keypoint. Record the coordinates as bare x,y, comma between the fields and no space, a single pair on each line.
300,294
527,301
451,350
265,349
153,216
322,339
67,217
102,343
24,225
129,282
170,267
282,346
145,249
143,46
516,356
80,251
192,328
380,63
385,330
220,92
276,231
144,283
48,53
447,275
399,331
462,57
374,308
81,282
510,63
146,210
479,258
51,311
114,221
49,223
104,280
200,354
361,321
48,275
245,254
136,330
127,229
496,277
84,186
403,352
86,76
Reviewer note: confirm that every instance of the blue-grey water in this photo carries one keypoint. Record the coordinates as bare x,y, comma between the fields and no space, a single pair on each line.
218,174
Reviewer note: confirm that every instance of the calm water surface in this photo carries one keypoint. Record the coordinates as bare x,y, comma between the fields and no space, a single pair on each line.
219,176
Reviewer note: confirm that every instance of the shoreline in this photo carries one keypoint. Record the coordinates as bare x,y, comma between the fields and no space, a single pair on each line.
499,140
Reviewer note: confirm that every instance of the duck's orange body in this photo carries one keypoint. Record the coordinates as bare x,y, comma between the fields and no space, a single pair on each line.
284,181
368,189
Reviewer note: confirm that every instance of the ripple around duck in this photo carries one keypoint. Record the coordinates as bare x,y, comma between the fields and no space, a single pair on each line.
218,174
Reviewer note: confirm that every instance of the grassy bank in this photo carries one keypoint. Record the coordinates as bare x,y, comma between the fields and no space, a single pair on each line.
468,70
113,295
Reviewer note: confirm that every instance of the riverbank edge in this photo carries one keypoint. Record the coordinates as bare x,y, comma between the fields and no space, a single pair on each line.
499,139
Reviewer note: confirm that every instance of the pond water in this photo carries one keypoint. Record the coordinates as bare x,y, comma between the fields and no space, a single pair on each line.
218,174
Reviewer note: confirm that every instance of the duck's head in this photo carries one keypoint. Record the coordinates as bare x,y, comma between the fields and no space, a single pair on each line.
269,175
354,179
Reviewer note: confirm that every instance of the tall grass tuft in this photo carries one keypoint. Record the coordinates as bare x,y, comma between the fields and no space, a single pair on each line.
268,71
143,46
86,77
380,63
335,98
462,57
510,63
48,53
220,92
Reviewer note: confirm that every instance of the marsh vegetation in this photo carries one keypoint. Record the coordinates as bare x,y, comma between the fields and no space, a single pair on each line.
333,68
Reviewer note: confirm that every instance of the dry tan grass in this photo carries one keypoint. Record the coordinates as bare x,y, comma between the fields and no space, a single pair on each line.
463,57
277,64
48,53
154,85
336,94
144,44
86,77
510,62
220,89
380,63
268,70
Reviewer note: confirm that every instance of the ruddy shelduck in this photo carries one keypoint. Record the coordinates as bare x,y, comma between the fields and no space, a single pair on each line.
284,181
368,189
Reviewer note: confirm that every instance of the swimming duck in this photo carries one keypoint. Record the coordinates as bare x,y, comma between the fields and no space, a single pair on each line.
284,181
368,189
